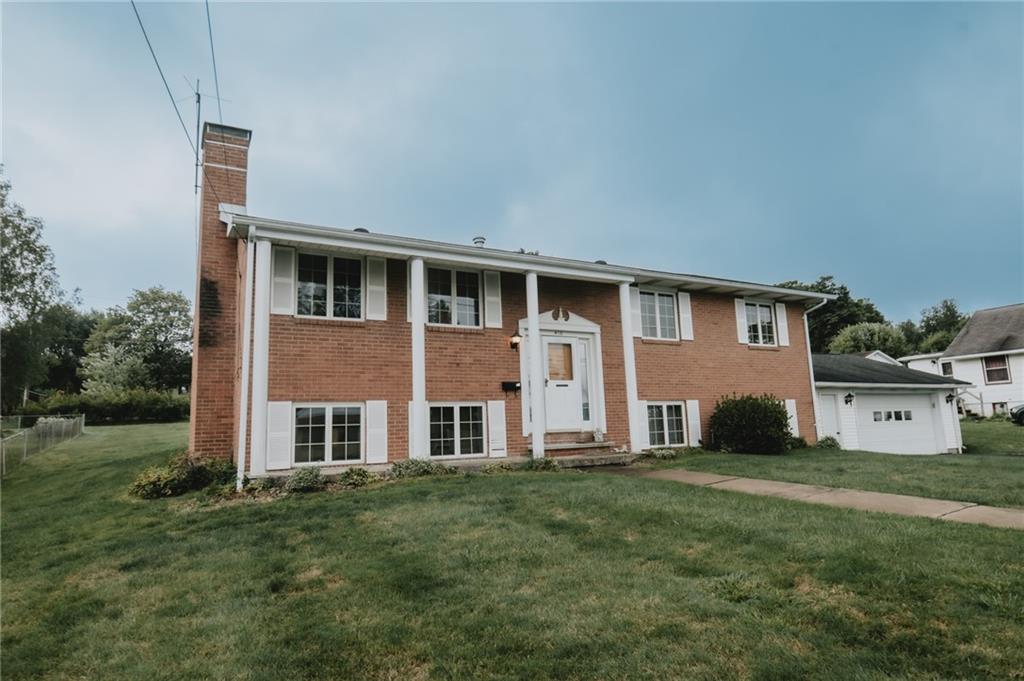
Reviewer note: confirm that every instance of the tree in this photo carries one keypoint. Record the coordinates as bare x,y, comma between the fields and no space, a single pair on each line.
937,342
912,333
844,311
70,329
944,317
29,288
155,327
113,369
870,336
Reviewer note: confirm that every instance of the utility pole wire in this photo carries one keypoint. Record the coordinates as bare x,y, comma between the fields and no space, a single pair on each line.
213,57
167,87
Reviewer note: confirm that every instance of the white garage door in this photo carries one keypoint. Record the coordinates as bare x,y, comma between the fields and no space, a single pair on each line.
897,423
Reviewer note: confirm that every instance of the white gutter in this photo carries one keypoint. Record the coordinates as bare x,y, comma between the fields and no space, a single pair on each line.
889,386
979,355
243,402
408,247
810,366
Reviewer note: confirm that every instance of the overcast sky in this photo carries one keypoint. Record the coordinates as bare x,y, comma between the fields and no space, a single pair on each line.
881,143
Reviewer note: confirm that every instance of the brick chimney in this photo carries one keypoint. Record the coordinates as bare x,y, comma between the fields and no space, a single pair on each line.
216,335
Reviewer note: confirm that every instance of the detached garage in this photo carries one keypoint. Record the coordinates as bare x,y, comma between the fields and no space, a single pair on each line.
878,406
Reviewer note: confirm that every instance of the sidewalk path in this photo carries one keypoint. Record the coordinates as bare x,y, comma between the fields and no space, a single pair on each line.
959,511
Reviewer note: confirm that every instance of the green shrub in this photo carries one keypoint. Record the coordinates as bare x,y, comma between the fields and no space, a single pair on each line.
663,453
415,468
492,468
260,485
796,442
827,442
356,477
750,424
124,406
305,480
544,464
180,475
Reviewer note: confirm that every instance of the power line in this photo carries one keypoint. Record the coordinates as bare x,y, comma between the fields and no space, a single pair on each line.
213,57
167,87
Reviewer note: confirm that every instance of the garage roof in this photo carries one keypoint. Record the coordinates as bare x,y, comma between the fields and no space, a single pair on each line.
854,369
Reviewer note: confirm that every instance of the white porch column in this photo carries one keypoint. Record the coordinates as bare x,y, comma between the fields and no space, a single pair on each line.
629,358
260,357
243,402
537,414
418,406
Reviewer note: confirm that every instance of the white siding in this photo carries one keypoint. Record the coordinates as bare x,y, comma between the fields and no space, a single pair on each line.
979,399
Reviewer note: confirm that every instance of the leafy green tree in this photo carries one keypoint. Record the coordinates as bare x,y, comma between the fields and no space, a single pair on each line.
113,369
937,342
869,336
844,311
944,317
155,327
912,333
29,288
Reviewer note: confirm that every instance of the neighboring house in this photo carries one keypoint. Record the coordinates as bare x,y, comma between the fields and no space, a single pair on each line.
878,356
330,347
988,352
877,406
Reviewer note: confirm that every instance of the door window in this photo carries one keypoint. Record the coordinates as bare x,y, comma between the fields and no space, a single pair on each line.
560,362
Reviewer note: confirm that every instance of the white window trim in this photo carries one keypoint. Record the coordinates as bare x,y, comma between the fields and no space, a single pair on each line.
1006,365
330,285
455,316
775,323
458,439
657,313
328,449
664,423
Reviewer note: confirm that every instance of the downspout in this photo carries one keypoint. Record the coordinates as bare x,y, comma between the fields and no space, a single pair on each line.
810,366
243,411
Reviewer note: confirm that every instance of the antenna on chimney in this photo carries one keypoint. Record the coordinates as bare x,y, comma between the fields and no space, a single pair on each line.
199,117
479,241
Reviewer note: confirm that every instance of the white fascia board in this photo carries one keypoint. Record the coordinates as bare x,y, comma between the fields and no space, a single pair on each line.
979,355
489,258
893,386
927,355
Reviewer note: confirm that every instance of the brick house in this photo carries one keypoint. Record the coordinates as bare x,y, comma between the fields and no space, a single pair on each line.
331,347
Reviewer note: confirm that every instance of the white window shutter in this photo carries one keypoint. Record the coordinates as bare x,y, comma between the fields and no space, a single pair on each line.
376,288
492,300
634,303
279,435
794,427
282,289
376,431
685,317
781,324
644,431
496,428
741,321
693,423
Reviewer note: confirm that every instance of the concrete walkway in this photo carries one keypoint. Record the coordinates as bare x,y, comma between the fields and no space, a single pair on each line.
901,504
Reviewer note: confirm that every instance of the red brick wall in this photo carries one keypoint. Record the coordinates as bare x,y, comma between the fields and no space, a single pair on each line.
215,359
715,364
329,360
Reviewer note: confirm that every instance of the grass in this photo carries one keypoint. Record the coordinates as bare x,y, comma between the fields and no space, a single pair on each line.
992,473
512,576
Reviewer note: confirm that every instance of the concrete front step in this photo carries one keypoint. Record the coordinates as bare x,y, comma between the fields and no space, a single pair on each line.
563,449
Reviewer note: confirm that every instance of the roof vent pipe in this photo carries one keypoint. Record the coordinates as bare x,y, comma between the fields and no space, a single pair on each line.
361,230
479,241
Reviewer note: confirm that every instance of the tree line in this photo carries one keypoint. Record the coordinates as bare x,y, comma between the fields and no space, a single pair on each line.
49,345
849,324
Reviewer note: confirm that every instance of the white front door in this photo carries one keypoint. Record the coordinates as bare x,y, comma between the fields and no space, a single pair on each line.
562,393
829,417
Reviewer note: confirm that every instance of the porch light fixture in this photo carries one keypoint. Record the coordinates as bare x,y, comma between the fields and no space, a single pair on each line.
514,341
949,398
848,398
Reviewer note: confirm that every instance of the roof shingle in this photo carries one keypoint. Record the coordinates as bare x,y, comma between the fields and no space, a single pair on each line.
997,329
854,369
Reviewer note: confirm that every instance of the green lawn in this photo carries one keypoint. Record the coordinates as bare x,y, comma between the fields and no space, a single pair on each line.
992,473
515,576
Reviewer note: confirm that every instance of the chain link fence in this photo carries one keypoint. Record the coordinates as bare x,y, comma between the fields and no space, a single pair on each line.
24,436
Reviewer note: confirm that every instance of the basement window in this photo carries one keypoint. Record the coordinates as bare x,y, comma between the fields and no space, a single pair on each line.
328,433
665,425
456,430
